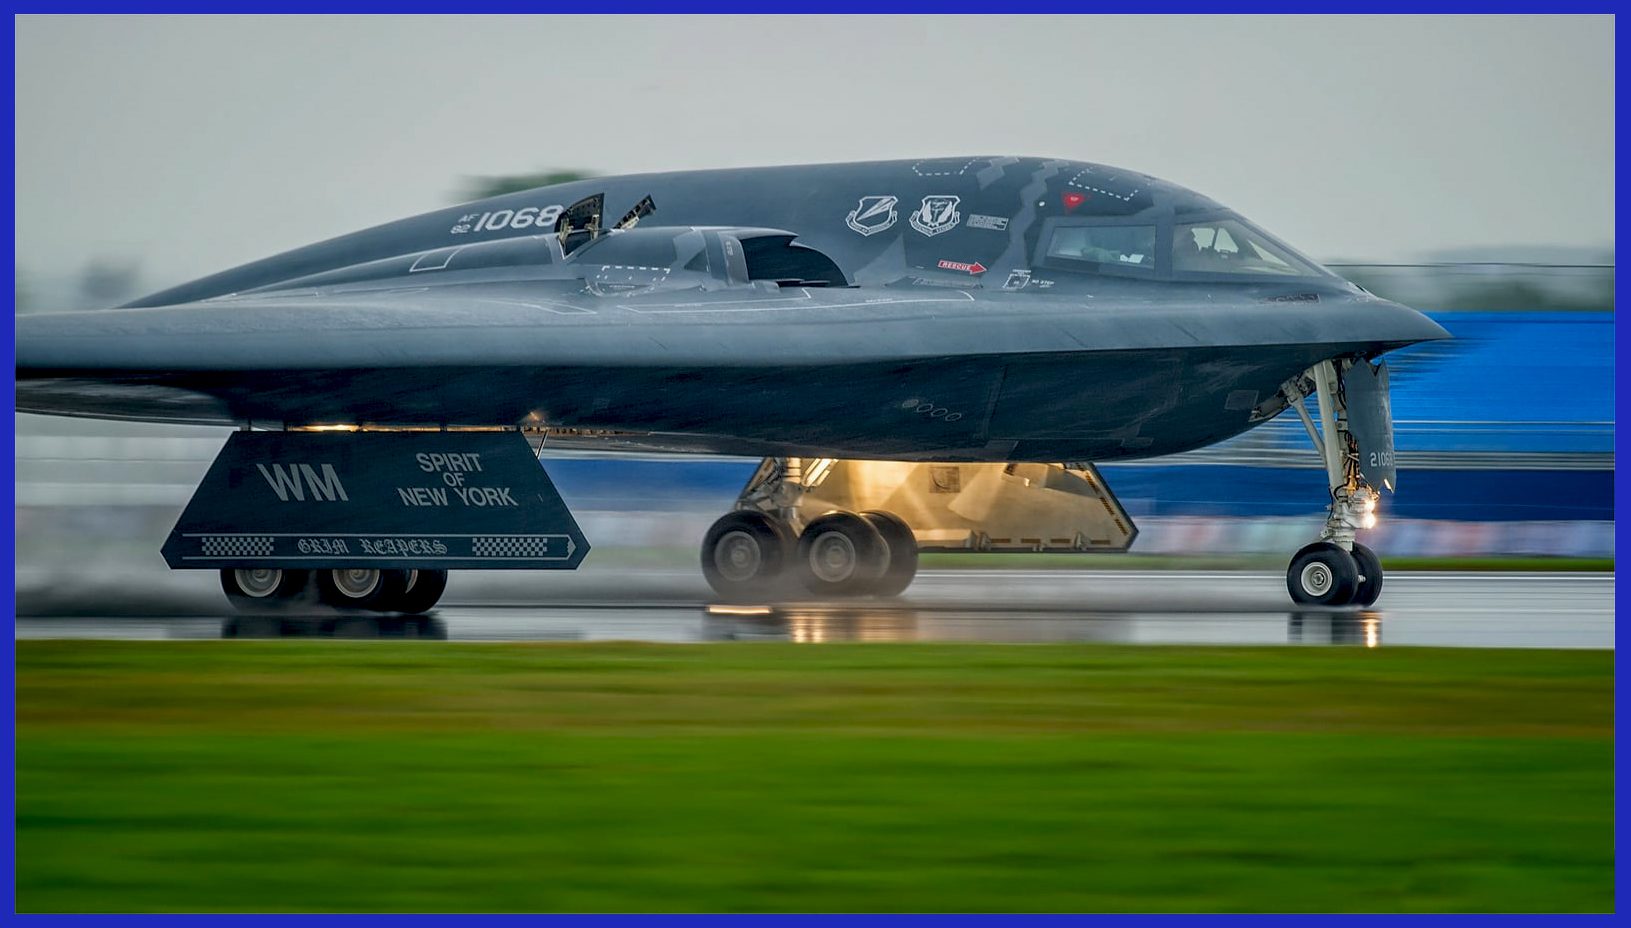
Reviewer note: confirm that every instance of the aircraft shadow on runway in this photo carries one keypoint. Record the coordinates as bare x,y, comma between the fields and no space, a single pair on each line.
338,626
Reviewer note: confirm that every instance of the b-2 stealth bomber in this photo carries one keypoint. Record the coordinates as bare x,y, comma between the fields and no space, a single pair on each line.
927,355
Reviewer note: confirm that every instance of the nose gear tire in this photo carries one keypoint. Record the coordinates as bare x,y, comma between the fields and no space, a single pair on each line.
1370,573
1322,574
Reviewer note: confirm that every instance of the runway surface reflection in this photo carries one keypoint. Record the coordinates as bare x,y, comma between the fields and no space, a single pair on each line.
1435,609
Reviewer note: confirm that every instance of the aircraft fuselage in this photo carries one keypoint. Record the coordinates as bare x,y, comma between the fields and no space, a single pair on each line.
957,309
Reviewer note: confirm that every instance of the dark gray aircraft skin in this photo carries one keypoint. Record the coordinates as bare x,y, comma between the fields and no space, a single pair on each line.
980,309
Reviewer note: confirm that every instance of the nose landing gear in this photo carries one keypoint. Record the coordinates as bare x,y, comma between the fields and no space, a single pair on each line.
1337,570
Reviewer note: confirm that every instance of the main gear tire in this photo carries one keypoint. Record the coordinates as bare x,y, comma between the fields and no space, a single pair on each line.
262,589
841,554
361,587
424,590
745,553
902,544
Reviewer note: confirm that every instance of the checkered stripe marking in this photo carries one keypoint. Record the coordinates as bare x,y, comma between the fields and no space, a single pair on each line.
237,545
510,546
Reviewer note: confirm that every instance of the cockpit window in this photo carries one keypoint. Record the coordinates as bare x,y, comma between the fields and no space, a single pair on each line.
1118,246
1229,246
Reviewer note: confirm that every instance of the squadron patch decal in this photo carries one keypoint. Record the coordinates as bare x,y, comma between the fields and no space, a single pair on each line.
937,214
873,214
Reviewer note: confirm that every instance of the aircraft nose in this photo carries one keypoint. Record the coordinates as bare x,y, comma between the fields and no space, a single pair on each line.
1400,325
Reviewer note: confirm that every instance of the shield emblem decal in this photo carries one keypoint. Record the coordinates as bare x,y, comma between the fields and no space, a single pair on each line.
872,214
937,214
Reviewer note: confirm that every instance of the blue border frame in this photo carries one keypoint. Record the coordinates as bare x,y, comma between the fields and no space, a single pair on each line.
1622,485
1622,495
11,467
943,7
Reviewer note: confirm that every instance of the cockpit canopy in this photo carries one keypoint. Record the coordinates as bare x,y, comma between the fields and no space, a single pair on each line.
1229,246
1220,246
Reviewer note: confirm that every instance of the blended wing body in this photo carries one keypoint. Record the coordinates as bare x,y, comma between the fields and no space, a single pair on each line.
975,309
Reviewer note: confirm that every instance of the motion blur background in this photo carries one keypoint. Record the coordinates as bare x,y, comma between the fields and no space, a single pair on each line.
1463,166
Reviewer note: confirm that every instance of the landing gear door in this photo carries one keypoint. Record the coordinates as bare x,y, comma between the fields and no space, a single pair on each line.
399,500
1370,421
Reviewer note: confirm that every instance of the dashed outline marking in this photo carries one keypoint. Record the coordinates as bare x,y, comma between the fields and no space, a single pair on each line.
957,173
623,279
1125,199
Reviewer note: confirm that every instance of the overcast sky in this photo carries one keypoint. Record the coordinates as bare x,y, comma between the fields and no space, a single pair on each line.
195,144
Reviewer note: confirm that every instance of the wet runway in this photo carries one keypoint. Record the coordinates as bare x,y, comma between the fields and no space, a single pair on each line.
1434,609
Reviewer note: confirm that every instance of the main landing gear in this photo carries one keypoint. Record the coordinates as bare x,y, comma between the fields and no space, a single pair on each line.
1336,570
760,550
272,589
751,553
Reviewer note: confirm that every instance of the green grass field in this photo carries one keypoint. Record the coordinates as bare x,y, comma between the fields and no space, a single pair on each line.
337,776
